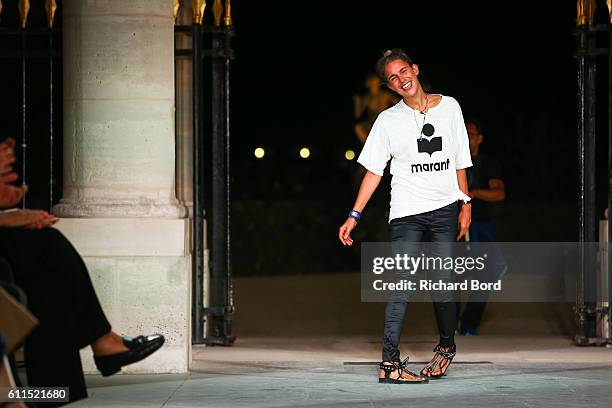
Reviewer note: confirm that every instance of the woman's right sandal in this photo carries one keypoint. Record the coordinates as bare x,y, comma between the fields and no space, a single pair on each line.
393,366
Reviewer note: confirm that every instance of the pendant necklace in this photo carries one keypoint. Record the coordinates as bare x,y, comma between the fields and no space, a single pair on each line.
427,129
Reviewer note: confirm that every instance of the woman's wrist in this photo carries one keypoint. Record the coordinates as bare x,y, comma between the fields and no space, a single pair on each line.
465,200
354,214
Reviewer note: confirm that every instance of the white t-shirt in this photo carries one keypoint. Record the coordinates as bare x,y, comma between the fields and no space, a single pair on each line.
424,176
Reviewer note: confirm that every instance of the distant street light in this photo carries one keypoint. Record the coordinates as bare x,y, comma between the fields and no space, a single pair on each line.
304,152
349,155
260,153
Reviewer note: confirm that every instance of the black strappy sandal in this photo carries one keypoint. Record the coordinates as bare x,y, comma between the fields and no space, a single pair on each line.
401,369
441,359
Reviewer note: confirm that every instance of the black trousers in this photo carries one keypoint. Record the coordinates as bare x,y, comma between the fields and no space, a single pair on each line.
438,226
61,296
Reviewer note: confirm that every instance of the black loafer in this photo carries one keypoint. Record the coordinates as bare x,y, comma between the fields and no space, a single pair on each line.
139,348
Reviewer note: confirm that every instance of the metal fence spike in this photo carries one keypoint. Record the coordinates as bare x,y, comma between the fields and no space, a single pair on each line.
217,12
50,8
176,5
198,7
228,13
24,10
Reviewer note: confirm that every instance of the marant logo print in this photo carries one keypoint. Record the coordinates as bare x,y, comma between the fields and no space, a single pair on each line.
430,146
437,166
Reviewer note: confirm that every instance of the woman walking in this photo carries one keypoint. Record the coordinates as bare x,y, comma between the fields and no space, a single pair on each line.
425,138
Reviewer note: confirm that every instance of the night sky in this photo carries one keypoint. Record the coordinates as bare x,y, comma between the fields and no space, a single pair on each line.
509,64
297,67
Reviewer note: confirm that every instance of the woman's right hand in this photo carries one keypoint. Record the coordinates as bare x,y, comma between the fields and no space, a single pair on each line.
368,185
345,231
31,219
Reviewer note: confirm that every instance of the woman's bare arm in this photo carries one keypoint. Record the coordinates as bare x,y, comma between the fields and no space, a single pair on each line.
368,185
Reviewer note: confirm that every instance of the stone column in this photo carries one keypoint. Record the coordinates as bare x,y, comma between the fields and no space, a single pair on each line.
119,207
119,109
184,113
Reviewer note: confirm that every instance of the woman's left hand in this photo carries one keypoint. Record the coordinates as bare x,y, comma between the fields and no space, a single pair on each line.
25,218
465,219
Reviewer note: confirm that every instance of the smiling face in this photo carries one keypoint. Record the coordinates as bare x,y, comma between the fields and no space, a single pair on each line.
402,78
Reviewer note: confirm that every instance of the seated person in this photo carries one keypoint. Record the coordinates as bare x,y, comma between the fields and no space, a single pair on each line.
60,294
6,377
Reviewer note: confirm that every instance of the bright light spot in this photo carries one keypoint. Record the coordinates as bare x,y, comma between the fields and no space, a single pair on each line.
260,153
349,155
304,152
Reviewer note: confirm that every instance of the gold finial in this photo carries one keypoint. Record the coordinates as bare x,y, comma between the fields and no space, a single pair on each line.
24,9
176,5
217,12
580,12
198,7
590,11
50,8
228,13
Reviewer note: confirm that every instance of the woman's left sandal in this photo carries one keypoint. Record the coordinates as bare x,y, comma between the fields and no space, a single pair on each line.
441,360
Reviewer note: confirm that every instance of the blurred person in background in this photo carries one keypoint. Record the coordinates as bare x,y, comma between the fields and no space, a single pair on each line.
486,187
369,105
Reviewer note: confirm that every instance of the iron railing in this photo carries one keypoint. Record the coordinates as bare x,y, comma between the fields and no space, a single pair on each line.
594,41
211,55
30,55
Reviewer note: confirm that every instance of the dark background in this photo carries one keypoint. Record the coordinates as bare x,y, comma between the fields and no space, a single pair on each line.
510,64
297,67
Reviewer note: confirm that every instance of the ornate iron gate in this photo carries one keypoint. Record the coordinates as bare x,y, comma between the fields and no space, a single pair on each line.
30,53
211,55
594,52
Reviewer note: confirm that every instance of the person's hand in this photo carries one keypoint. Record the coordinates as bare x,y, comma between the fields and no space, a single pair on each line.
474,194
10,195
44,220
465,219
7,156
345,231
8,177
31,219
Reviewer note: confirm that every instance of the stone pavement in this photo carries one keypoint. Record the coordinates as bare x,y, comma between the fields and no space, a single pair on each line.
489,370
308,341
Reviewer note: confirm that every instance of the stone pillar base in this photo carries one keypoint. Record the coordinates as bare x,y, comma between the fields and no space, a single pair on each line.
68,209
141,270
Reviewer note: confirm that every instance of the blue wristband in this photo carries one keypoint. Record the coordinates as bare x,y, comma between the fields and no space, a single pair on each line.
354,214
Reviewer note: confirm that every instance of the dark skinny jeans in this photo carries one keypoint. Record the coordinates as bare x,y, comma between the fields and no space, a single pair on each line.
434,226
